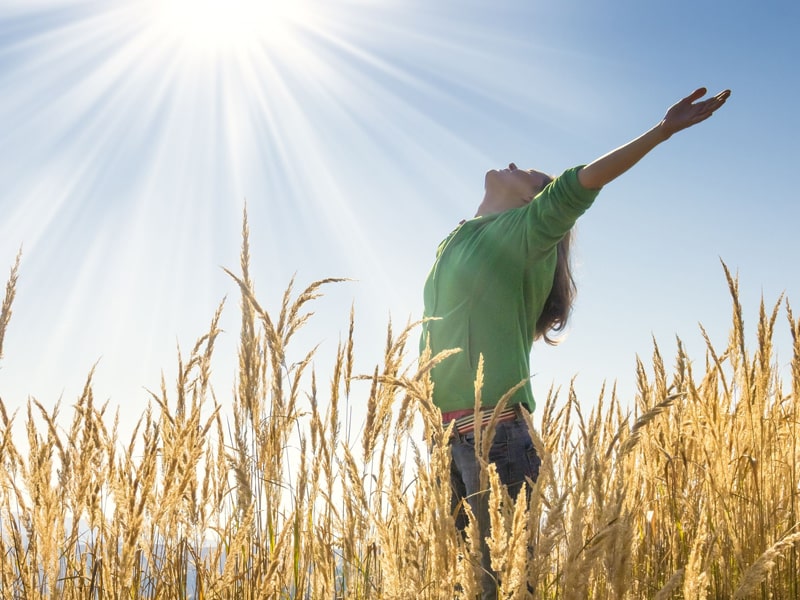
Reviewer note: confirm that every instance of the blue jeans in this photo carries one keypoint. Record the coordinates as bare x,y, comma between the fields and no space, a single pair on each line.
515,459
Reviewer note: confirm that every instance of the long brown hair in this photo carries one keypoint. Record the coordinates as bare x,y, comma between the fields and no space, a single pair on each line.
558,305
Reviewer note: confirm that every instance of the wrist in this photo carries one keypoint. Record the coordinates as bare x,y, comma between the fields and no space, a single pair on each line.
662,131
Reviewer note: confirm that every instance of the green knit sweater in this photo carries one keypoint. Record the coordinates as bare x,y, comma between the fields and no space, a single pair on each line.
487,289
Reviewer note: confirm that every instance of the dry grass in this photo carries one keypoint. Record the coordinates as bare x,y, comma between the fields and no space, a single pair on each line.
695,494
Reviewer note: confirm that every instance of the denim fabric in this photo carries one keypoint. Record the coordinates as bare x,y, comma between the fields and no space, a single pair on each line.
514,457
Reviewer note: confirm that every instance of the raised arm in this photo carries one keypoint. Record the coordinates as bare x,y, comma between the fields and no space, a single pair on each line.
683,114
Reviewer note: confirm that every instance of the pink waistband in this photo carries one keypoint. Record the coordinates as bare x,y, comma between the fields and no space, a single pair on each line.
464,420
455,414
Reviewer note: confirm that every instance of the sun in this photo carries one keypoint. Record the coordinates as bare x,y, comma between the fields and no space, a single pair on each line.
228,25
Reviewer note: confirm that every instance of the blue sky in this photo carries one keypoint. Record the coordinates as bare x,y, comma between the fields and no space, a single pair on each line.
358,133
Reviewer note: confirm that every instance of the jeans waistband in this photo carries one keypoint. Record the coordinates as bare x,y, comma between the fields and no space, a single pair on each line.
466,423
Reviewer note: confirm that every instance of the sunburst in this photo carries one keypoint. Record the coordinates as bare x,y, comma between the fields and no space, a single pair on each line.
140,127
212,26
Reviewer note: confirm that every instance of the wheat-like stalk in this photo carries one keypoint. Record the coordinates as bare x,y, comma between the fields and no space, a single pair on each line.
8,299
272,491
756,572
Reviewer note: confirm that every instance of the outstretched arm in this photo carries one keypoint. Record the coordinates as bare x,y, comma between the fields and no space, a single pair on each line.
683,114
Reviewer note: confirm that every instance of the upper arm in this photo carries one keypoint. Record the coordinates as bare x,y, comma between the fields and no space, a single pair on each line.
589,179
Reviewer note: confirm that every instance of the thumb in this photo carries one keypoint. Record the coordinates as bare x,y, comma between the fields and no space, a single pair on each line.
697,94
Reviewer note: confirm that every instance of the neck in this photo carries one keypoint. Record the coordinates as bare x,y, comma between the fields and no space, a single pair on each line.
493,204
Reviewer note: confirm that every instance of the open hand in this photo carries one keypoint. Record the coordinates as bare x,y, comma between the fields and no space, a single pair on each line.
688,111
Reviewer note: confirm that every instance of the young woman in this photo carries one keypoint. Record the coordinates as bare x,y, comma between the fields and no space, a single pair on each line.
502,280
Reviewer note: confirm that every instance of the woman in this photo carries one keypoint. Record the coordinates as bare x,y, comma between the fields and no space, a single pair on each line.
502,280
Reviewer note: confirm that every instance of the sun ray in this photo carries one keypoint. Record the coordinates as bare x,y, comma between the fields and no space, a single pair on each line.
220,26
143,125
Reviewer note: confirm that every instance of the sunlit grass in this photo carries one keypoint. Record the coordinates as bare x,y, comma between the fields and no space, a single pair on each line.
693,495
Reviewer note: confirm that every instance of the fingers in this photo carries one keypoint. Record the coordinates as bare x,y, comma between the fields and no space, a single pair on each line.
703,110
718,100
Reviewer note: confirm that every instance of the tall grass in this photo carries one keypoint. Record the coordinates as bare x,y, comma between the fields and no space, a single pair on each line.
689,490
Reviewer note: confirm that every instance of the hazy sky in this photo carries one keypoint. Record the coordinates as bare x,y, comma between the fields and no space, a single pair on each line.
358,133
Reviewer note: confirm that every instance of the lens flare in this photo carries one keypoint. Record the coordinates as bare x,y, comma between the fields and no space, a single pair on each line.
226,25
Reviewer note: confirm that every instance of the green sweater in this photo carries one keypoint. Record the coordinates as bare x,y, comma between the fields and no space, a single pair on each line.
487,288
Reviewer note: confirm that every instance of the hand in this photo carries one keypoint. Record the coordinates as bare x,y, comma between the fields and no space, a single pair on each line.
684,114
688,112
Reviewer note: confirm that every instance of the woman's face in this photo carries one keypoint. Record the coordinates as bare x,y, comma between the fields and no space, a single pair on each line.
515,187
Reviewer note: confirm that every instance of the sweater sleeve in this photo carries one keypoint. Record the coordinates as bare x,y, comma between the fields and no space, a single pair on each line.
554,211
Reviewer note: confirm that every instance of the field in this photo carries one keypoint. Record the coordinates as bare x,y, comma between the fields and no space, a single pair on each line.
692,493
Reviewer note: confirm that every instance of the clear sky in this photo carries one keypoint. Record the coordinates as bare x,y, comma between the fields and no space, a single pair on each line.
358,132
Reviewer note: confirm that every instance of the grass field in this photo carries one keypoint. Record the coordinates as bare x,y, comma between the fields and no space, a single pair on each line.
691,493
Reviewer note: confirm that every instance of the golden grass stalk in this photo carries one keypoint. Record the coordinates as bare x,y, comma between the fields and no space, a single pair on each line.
272,492
760,569
8,299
